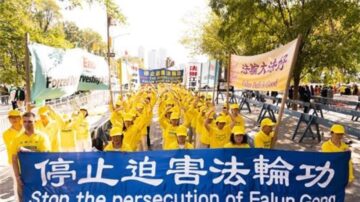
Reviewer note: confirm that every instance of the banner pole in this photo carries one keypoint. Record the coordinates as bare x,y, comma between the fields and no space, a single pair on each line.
216,78
200,80
228,80
109,59
120,78
27,70
286,92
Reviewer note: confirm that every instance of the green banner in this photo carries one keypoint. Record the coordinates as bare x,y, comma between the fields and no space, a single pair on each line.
59,72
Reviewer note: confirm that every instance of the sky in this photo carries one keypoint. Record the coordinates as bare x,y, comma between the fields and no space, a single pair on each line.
152,24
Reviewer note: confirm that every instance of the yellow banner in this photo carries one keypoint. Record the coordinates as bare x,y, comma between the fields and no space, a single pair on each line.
265,72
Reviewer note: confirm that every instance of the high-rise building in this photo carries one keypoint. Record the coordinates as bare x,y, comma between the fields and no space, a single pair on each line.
161,57
152,59
141,52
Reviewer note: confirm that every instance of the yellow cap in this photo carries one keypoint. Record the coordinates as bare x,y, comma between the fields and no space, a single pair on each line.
128,117
181,131
14,112
338,129
174,115
220,119
267,122
234,106
208,97
43,110
238,130
115,131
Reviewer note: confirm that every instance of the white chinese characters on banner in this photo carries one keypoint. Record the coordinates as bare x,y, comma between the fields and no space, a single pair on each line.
278,171
316,178
145,169
59,170
234,172
186,170
189,170
98,177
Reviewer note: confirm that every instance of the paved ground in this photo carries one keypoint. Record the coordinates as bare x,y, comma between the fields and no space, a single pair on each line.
284,142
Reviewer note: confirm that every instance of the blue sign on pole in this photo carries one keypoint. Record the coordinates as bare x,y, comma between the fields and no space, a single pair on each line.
218,175
161,76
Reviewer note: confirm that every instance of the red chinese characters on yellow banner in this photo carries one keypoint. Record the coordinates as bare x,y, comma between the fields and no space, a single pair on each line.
265,72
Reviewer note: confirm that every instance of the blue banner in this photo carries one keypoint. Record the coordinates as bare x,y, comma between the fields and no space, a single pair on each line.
221,175
161,76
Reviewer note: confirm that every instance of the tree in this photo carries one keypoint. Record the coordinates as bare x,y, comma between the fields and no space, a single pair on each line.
169,62
330,31
43,21
46,13
112,8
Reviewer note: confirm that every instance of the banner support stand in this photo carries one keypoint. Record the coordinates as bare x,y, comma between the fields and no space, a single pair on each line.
286,92
27,71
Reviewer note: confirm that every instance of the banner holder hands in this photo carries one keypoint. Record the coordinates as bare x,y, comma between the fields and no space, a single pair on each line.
286,92
27,74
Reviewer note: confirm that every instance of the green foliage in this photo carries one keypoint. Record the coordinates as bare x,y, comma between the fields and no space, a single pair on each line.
330,33
42,19
112,8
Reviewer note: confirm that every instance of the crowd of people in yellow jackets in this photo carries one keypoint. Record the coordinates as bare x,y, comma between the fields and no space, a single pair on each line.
187,121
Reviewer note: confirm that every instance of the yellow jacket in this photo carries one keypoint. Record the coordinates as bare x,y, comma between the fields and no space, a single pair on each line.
218,138
9,135
175,146
52,131
262,140
124,148
231,145
329,146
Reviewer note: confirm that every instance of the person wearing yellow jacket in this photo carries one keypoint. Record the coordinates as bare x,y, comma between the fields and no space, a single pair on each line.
29,140
335,144
116,117
235,115
181,143
238,138
68,126
264,137
116,143
131,130
199,128
205,134
49,127
83,133
10,134
220,134
225,113
169,135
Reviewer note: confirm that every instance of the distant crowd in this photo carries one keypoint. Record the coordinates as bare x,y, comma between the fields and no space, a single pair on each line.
14,95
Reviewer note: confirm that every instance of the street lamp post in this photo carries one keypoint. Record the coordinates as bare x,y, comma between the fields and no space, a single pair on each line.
109,58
